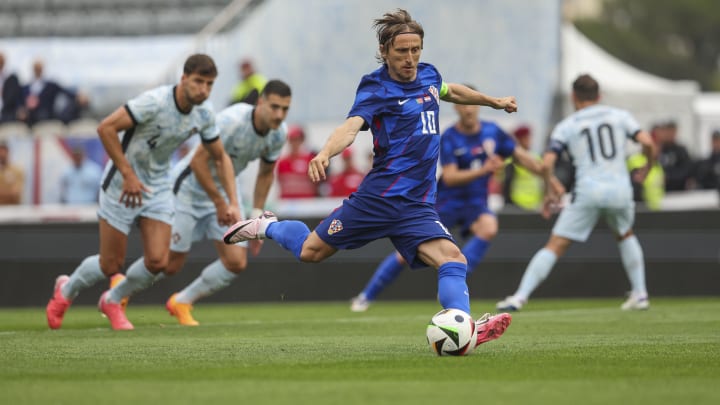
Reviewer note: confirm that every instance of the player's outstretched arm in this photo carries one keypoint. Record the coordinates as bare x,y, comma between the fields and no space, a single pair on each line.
263,182
554,189
342,137
650,152
461,94
265,178
227,211
455,177
120,120
527,160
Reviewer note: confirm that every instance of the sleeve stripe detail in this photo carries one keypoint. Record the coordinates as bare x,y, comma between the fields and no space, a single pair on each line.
132,117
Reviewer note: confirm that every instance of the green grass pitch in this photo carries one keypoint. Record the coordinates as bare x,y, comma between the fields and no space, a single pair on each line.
555,352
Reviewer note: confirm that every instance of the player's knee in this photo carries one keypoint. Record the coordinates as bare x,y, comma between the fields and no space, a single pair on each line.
171,269
310,256
624,236
487,234
156,264
236,266
456,256
111,265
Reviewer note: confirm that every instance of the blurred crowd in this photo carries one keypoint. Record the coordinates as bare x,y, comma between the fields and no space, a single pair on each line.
673,171
40,99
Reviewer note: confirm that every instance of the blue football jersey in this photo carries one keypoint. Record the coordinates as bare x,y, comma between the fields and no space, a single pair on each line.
403,120
469,152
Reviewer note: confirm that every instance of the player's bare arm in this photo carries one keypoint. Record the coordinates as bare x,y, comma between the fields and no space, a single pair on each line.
553,188
226,174
461,94
265,178
263,182
527,160
454,177
200,165
342,137
650,152
108,130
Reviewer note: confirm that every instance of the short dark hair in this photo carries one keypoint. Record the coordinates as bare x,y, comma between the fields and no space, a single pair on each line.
200,64
277,87
393,24
586,88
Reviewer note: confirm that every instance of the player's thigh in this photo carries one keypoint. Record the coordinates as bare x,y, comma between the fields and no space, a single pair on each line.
113,246
576,222
436,252
183,231
156,242
117,215
620,220
233,257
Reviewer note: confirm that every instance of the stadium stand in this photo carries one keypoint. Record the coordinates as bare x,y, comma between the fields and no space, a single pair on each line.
49,128
14,130
107,18
83,128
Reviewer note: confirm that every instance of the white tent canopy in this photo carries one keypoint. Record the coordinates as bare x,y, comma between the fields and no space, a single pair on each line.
581,55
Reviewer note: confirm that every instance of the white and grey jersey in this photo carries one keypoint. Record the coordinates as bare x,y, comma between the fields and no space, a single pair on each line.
595,137
160,127
242,143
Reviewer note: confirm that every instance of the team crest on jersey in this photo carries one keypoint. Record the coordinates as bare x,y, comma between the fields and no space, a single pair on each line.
434,91
476,150
193,131
176,237
335,226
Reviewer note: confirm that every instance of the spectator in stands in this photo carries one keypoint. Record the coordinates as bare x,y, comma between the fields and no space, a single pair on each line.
46,100
80,183
292,168
674,158
251,85
12,178
521,187
347,181
708,170
11,93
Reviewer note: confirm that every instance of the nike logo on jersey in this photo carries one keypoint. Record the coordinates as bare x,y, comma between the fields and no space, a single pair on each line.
401,102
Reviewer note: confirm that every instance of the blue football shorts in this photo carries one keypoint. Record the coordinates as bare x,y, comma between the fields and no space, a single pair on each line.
362,219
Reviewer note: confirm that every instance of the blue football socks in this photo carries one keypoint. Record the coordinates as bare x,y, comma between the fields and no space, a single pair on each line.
385,274
452,288
289,234
474,251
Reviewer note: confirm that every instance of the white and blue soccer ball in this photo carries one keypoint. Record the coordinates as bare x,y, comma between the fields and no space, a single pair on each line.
451,332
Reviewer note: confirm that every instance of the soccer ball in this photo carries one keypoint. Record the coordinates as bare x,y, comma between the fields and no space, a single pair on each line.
451,332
